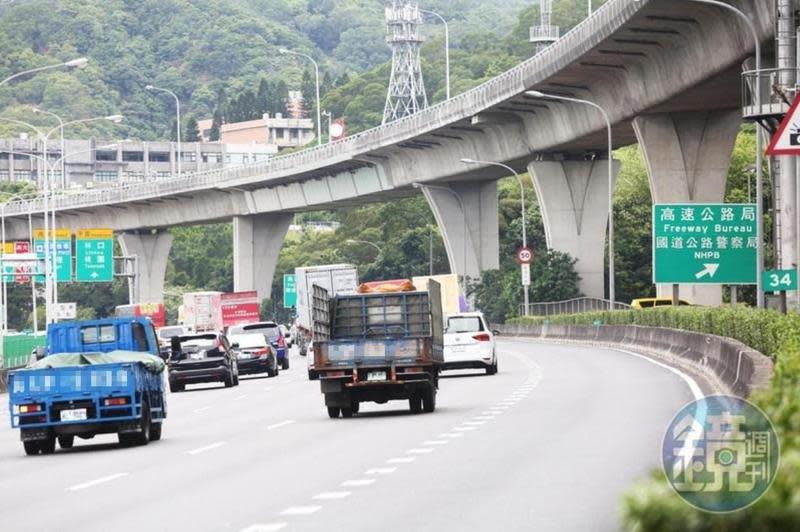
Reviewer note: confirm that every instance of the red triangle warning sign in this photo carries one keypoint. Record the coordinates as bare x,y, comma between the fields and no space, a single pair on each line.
786,140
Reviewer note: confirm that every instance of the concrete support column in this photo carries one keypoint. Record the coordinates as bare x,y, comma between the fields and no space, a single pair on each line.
469,223
687,157
573,198
152,252
257,241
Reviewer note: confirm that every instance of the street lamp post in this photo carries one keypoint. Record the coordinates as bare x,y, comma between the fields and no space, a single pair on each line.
526,287
611,272
152,88
368,243
446,47
74,63
423,187
329,115
285,51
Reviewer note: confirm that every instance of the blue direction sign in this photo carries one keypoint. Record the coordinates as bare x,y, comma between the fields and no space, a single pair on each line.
62,251
704,243
94,255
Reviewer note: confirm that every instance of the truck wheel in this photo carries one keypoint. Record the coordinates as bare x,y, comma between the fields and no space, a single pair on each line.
415,404
229,380
143,436
236,379
155,431
429,400
333,412
66,441
356,407
31,447
48,446
174,387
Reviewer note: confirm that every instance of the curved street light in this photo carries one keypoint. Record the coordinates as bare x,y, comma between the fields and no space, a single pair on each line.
446,47
285,51
74,63
153,88
368,243
526,288
610,147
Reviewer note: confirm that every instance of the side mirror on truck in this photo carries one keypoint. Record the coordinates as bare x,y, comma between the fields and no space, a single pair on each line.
40,352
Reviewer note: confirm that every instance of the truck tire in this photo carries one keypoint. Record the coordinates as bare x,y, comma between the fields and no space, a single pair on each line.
155,431
236,379
333,412
65,441
31,447
429,400
347,412
356,407
48,446
415,404
229,380
174,387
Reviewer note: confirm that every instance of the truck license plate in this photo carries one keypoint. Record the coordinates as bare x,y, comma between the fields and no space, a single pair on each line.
376,376
79,414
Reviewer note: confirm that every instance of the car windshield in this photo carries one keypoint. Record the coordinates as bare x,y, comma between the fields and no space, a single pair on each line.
248,341
169,332
270,330
461,324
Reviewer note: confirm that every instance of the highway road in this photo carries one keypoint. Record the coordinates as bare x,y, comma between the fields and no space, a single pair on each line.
547,444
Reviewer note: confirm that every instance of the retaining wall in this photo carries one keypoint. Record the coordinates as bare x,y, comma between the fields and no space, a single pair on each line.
733,365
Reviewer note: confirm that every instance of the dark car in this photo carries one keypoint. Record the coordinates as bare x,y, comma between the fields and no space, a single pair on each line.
254,354
272,331
204,357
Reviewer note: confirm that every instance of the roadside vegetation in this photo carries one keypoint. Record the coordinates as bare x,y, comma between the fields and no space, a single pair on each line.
651,504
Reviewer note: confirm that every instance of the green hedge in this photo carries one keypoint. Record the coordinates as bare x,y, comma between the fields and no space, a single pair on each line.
651,505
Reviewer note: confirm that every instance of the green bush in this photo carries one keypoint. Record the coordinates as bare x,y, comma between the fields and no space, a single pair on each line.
651,504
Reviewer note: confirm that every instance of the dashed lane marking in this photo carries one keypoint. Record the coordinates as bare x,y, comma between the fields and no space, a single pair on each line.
436,442
268,527
357,483
97,481
381,471
207,448
423,450
331,495
404,460
301,510
281,424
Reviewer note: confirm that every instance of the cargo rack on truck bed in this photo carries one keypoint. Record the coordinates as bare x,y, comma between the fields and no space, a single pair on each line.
390,315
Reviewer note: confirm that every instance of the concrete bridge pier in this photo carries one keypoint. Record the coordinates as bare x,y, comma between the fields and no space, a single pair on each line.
467,214
151,250
688,156
573,198
257,241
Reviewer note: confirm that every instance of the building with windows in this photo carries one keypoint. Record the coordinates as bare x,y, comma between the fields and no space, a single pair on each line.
279,131
130,161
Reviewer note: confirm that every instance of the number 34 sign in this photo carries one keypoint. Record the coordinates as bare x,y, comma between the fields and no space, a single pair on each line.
779,280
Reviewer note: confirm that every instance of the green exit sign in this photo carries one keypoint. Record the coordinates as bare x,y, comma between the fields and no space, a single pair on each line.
779,280
94,256
697,243
289,291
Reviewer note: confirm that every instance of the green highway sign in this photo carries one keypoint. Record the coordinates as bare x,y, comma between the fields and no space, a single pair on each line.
62,252
704,243
779,280
289,291
94,256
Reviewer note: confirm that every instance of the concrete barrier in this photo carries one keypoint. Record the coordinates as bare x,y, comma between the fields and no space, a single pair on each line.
730,364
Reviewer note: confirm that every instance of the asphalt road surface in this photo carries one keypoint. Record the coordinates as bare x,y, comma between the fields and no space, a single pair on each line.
549,443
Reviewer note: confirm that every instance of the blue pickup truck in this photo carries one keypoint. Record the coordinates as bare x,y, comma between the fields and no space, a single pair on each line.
96,377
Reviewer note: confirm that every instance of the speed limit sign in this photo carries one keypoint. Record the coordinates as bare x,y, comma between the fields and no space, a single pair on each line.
524,255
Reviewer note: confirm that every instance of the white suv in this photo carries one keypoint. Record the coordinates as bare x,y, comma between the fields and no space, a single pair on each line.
469,343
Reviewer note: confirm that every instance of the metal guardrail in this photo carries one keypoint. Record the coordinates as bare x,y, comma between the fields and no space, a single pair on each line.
772,104
507,85
571,306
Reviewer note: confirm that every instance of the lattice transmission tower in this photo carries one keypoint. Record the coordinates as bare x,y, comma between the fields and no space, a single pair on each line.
406,89
545,33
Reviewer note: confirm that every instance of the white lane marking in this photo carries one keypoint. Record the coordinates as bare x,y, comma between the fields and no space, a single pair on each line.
464,429
357,483
474,423
405,460
207,448
239,398
95,482
381,471
269,527
484,418
451,435
301,510
203,409
331,495
423,450
695,389
436,442
281,424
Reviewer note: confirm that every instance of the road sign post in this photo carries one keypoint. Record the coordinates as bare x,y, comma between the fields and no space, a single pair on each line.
289,291
94,256
704,244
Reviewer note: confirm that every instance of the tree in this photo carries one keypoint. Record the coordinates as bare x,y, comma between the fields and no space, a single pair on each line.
309,90
192,132
216,126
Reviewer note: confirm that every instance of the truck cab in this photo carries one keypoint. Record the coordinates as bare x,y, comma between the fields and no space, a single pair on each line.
103,336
